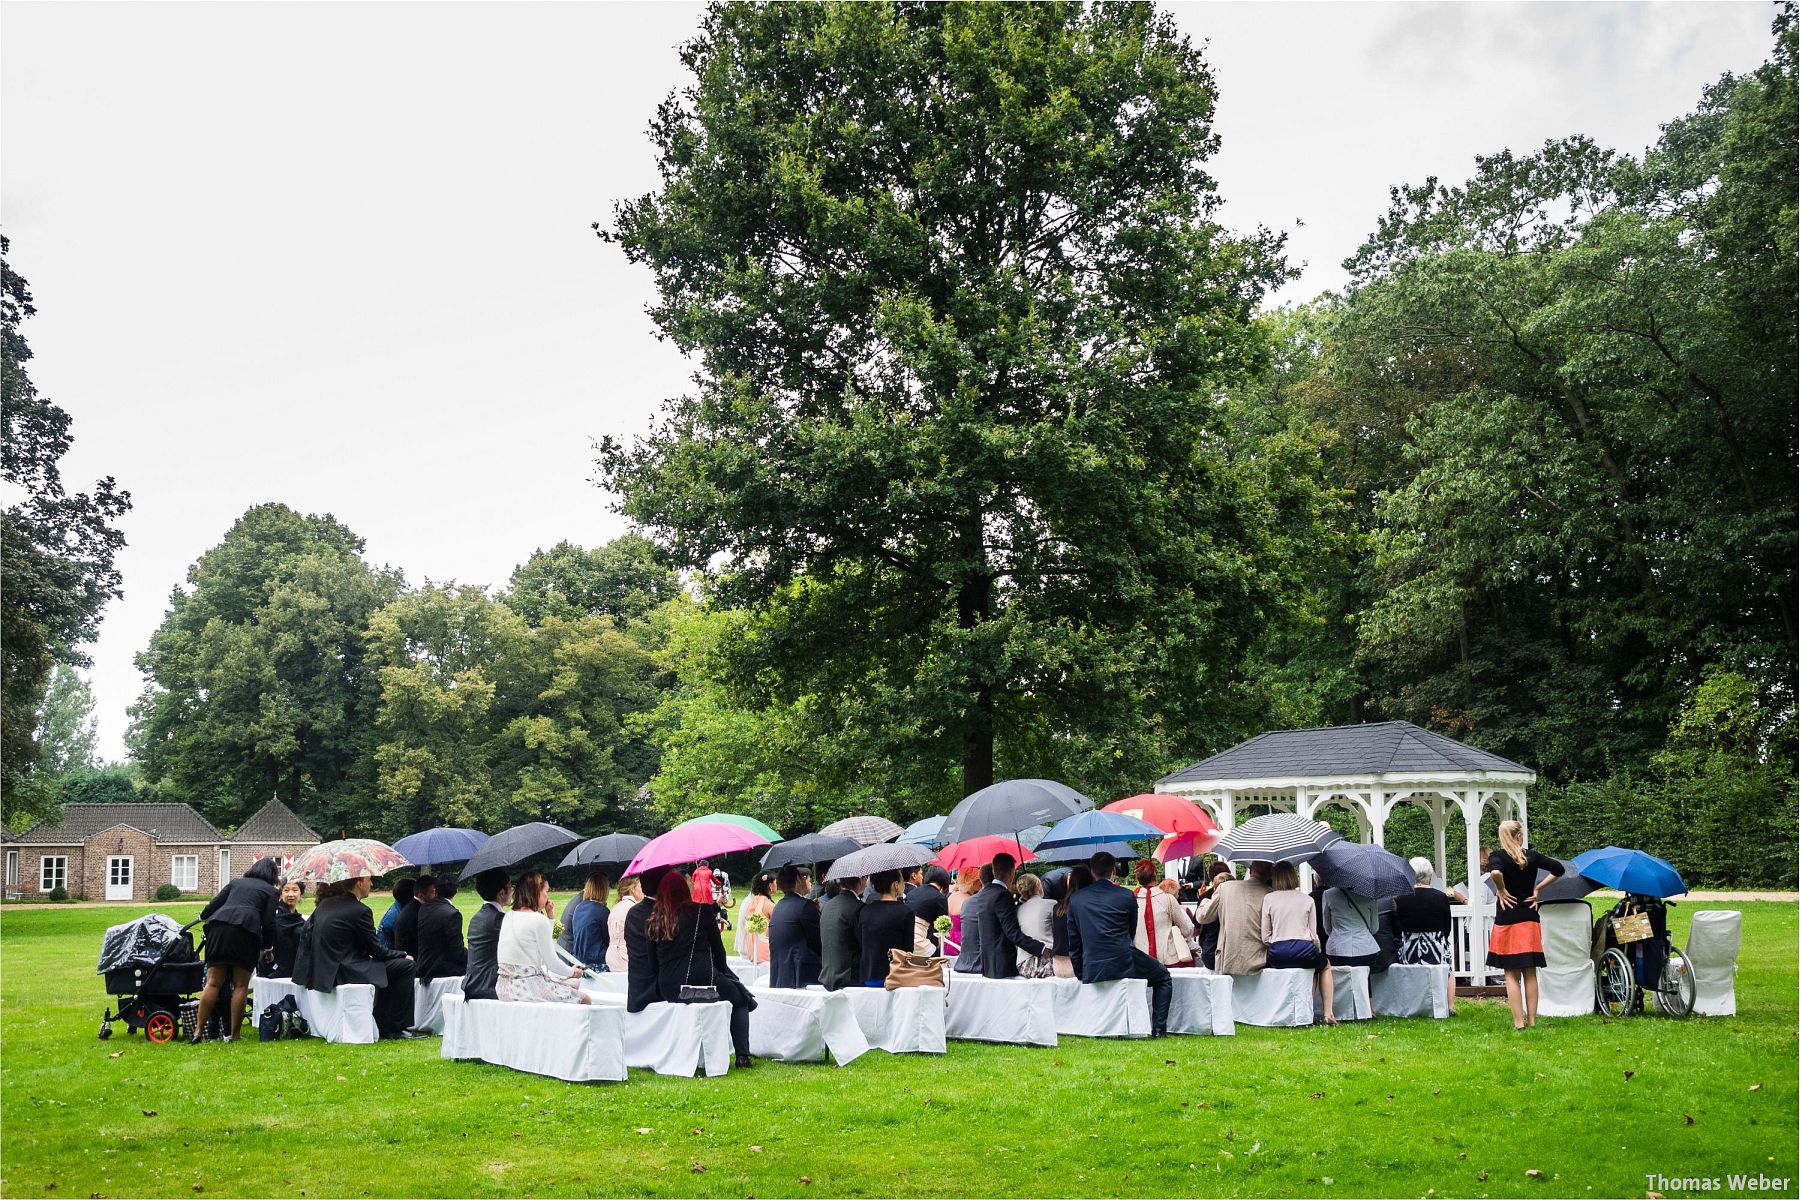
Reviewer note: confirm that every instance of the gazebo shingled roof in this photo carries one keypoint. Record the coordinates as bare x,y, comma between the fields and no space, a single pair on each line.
1390,747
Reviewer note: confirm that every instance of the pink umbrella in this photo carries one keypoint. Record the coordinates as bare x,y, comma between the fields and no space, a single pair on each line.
691,843
979,851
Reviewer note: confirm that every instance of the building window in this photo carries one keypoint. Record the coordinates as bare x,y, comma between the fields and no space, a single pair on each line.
12,868
53,872
224,867
184,872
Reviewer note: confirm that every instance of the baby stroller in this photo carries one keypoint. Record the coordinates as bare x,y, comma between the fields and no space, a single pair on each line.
151,966
1633,955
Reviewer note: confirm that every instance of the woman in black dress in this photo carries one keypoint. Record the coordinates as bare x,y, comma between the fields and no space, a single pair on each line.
680,946
886,924
239,925
1423,921
1516,945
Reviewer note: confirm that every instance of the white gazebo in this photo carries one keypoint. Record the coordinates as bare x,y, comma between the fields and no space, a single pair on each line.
1370,770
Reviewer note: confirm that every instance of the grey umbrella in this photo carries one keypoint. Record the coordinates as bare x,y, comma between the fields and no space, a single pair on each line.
512,846
608,848
1363,870
812,848
876,859
1009,806
1277,837
1571,886
865,830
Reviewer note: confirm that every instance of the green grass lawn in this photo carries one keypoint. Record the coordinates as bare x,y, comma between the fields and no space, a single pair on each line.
1383,1108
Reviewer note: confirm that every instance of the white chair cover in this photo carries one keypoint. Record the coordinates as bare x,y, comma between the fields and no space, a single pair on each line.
428,1001
1202,1003
675,1039
1115,1008
581,1043
607,982
1279,997
1349,995
752,974
1566,982
908,1020
802,1025
1019,1012
1712,950
344,1015
1410,990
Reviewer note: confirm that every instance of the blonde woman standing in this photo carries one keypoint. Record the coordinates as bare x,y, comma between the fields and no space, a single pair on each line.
631,890
1516,944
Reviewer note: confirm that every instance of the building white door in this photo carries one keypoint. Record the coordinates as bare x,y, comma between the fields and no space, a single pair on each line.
118,877
224,870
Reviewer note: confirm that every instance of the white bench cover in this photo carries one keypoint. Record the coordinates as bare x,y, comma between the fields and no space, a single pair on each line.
1020,1012
803,1025
908,1020
1349,995
1278,997
1566,980
428,1001
1712,950
1411,990
675,1039
1201,1003
344,1015
1115,1008
582,1043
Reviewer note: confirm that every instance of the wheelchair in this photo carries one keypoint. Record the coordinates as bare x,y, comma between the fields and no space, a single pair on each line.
1627,970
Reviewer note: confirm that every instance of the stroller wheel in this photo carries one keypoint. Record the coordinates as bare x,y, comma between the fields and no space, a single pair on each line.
160,1027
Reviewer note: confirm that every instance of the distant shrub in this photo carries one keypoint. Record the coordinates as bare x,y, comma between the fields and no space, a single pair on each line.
168,891
59,893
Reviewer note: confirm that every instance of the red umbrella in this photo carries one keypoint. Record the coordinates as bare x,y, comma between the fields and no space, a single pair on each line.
1173,815
979,851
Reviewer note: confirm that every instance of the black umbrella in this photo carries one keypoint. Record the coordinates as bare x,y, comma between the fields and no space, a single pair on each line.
606,849
517,844
1009,806
1571,886
1364,870
813,848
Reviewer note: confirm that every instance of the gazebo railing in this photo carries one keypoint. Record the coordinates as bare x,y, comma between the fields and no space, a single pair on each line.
1469,926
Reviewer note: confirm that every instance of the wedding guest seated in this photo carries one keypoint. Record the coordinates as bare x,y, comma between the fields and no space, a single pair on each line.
589,937
1422,919
1207,936
1350,923
928,902
840,937
750,944
1236,907
402,896
1290,923
441,953
1061,962
406,923
1037,918
677,947
341,947
290,927
966,926
968,884
631,891
793,933
530,968
886,924
1164,930
1102,916
483,974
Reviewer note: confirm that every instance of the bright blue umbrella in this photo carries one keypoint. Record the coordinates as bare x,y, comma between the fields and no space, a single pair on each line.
921,833
1096,826
1082,852
1630,871
446,844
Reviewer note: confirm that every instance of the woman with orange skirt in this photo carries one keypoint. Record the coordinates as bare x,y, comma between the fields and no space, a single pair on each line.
1516,944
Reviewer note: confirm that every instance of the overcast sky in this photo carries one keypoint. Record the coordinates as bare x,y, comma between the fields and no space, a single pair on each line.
339,255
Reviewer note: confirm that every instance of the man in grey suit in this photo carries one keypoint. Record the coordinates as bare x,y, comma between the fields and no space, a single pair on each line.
968,959
998,921
483,973
840,938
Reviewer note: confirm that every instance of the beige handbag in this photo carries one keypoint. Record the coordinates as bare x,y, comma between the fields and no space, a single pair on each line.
1632,927
915,970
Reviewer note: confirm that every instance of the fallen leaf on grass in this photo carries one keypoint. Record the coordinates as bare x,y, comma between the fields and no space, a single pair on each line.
1437,1091
516,1133
1756,1087
697,1130
1169,1062
643,1130
1318,1095
806,1179
149,1112
756,1149
1688,1117
1462,1154
1629,1074
199,1187
121,1054
698,1168
1481,1177
343,1079
1534,1173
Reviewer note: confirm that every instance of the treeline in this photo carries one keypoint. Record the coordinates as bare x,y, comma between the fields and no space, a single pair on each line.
994,467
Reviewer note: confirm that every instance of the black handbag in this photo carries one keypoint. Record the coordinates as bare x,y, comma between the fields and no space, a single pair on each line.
271,1025
697,993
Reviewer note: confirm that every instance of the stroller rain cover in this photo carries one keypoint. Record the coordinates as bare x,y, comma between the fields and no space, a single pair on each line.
143,942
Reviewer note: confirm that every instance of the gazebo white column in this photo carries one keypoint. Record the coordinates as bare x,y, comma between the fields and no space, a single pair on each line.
1471,803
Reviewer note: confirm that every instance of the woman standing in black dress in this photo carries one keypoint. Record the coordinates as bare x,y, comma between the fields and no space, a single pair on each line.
240,925
1516,944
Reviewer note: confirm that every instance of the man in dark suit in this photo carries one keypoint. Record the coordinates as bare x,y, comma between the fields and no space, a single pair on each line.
482,974
406,924
346,950
999,921
931,900
439,929
1102,918
794,944
840,938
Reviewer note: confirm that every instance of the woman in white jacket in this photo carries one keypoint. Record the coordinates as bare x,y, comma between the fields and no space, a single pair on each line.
1164,930
530,968
631,890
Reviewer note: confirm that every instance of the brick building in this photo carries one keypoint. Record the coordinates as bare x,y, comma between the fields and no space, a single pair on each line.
126,851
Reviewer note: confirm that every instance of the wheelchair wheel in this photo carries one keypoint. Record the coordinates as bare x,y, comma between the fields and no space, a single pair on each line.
1675,991
1616,986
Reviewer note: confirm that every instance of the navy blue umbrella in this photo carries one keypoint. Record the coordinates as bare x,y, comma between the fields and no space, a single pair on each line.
445,844
1364,870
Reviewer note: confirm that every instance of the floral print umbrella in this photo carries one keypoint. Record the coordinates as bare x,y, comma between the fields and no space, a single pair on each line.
349,858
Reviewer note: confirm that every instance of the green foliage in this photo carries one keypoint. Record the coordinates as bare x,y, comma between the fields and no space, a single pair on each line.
623,579
168,891
59,894
961,309
65,732
114,783
56,552
255,683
